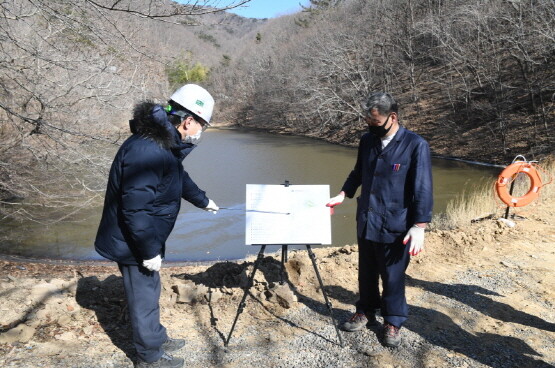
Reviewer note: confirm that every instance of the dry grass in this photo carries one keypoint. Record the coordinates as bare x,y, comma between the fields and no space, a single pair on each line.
484,203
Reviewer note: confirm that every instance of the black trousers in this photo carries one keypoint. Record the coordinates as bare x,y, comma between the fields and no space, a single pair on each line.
388,262
142,289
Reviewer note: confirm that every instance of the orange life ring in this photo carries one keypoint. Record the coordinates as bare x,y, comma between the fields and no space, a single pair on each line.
505,178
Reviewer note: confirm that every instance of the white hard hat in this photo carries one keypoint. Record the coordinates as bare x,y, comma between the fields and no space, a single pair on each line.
195,99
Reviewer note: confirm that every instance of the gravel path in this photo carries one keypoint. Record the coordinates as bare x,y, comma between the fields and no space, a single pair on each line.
430,338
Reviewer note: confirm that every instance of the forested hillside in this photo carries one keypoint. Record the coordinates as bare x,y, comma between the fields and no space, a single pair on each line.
71,72
474,77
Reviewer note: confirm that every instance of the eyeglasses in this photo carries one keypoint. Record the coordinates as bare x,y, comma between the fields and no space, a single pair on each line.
203,125
183,115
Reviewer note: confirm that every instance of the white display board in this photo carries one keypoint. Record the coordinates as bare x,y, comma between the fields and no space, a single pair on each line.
294,214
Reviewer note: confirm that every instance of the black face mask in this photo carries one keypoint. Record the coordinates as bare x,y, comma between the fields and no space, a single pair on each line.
380,131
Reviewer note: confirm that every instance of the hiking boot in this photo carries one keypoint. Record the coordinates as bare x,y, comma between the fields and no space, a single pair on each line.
391,335
165,361
173,345
358,321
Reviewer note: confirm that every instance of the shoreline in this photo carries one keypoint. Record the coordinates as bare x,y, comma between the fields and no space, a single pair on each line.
235,126
108,263
70,263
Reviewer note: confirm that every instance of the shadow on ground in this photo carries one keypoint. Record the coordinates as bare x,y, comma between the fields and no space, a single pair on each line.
233,275
437,328
107,299
477,297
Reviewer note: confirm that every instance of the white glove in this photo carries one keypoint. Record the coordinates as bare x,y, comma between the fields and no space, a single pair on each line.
338,199
416,237
211,207
153,264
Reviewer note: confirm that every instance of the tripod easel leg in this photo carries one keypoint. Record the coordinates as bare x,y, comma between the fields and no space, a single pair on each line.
328,304
283,262
247,289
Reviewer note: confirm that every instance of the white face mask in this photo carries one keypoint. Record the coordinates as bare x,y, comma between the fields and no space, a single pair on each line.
194,139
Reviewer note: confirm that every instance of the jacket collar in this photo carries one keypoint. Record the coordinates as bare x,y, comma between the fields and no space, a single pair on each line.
397,138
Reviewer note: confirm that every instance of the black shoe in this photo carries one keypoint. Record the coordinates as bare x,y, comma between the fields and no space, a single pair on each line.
165,361
358,321
172,345
391,335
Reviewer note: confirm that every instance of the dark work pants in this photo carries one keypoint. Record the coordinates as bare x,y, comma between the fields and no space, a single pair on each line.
142,288
388,261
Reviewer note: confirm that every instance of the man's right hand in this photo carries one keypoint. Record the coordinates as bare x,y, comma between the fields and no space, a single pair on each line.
338,199
153,264
212,207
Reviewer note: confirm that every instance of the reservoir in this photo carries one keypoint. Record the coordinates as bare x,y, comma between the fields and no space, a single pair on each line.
222,164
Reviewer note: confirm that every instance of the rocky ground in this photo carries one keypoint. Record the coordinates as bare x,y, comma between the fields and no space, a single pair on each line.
479,296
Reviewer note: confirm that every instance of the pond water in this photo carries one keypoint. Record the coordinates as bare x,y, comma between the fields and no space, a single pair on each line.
223,163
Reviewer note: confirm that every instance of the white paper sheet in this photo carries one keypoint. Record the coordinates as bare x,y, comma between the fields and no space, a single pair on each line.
296,214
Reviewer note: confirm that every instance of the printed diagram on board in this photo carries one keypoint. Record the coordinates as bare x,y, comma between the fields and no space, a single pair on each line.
296,214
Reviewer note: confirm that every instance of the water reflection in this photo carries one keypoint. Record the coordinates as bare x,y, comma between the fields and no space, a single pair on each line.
224,162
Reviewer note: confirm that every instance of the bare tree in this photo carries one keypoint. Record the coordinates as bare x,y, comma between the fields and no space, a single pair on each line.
70,71
478,64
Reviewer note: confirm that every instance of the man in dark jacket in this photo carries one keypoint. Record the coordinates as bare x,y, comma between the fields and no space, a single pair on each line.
395,204
143,198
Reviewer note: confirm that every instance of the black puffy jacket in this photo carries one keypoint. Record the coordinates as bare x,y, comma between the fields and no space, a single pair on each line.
145,187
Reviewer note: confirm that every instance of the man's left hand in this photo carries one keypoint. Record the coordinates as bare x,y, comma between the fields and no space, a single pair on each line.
416,237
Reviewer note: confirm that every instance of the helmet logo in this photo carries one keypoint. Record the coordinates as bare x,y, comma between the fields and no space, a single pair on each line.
200,103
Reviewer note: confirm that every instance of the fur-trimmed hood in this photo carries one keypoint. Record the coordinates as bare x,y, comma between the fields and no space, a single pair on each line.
151,121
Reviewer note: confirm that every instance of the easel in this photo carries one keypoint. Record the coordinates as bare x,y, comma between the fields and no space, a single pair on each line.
250,282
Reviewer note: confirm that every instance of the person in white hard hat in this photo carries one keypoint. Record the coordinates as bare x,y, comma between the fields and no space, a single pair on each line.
188,105
145,187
